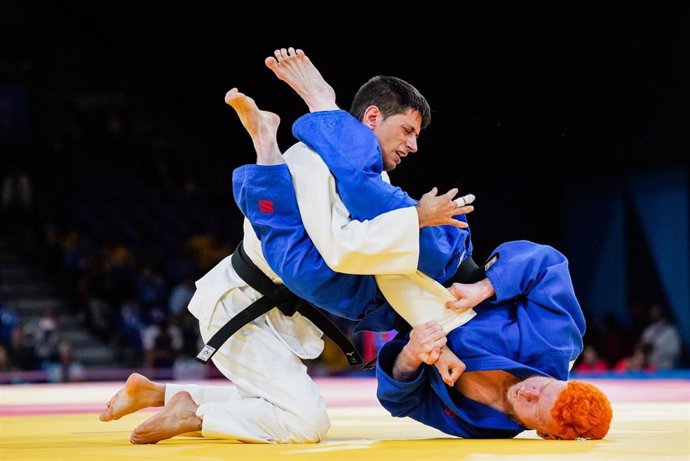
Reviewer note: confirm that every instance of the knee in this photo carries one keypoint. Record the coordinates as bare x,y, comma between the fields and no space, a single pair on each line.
310,426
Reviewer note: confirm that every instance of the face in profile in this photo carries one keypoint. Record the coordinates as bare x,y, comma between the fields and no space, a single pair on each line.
531,401
397,135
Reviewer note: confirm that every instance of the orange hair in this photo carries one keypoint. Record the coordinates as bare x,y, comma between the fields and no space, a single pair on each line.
582,411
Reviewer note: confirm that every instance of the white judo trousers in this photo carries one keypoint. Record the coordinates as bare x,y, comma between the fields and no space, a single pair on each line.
272,398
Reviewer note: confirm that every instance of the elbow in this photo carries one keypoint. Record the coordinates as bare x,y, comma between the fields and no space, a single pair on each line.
335,261
395,409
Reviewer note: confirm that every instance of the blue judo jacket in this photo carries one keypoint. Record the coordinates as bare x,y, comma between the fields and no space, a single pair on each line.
533,326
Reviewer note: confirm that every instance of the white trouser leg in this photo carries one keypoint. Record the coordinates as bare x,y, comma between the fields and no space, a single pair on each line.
273,400
203,394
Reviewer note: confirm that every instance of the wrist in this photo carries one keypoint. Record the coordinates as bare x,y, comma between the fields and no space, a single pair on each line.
487,288
421,216
406,365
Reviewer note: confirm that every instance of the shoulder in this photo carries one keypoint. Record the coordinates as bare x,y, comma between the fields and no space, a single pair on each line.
299,155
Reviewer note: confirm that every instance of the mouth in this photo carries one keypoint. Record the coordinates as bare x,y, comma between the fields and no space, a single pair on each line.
401,155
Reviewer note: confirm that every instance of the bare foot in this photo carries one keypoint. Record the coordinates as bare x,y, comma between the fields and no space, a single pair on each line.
177,417
261,125
296,69
139,392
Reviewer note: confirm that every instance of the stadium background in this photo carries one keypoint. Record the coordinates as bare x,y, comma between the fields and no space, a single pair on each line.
566,121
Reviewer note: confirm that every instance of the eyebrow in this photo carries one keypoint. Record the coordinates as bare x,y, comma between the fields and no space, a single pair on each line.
410,127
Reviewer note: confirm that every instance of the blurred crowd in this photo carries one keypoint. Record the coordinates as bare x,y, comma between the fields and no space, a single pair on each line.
126,245
118,207
648,340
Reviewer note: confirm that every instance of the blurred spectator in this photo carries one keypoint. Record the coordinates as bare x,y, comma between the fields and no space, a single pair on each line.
68,368
663,337
8,322
162,341
638,361
46,338
5,364
21,350
614,345
151,289
186,366
591,362
127,336
180,296
101,317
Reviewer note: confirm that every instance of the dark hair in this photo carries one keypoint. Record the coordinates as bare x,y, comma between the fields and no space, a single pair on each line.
392,96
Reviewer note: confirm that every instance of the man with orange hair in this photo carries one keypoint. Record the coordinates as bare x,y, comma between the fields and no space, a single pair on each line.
517,352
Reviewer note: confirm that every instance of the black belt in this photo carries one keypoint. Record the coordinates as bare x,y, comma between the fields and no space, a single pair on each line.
273,296
468,272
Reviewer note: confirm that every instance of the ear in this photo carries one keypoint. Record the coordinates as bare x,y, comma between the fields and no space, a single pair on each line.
372,117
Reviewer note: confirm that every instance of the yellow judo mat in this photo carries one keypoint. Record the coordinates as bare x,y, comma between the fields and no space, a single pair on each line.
60,422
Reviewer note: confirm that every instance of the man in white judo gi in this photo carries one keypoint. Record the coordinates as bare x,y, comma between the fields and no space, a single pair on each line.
272,399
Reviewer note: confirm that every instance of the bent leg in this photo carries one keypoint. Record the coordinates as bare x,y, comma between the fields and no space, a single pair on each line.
275,400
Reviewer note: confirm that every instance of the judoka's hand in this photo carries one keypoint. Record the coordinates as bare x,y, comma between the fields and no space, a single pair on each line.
468,295
426,341
449,366
439,210
424,346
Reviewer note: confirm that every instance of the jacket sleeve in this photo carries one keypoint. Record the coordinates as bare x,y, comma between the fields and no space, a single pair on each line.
386,244
353,156
416,398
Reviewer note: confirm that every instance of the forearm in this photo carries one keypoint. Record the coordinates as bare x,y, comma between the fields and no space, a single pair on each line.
418,298
406,365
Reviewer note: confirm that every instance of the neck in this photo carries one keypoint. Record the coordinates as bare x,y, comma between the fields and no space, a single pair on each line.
488,387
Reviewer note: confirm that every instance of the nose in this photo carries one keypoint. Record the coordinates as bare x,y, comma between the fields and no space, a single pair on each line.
529,393
412,143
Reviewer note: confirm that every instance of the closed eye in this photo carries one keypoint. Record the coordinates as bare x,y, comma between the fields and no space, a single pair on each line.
410,131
